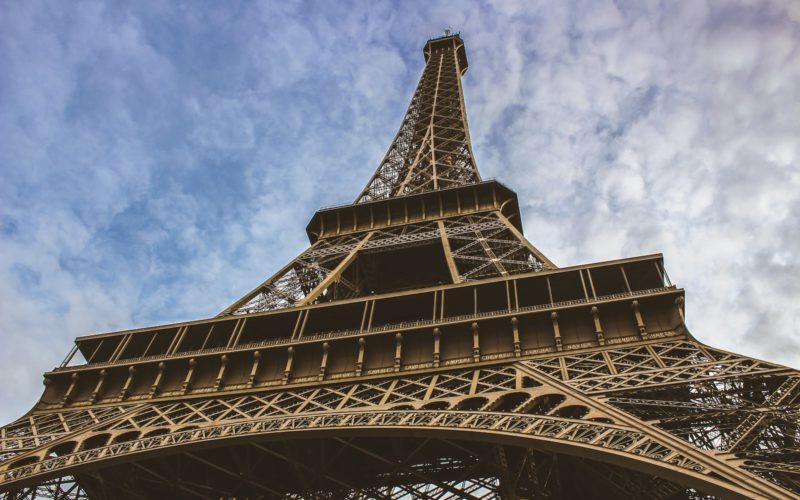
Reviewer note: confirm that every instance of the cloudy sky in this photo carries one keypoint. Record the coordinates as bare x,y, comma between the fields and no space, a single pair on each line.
158,159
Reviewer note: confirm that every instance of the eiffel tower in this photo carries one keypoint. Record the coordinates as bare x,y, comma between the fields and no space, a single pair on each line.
421,347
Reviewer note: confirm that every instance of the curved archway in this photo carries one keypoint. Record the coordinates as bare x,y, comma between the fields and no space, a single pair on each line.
510,401
95,441
571,411
471,404
582,439
22,462
542,405
436,405
126,436
60,449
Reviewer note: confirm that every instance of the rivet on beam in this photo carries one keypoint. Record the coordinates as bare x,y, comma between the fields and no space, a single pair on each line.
188,380
223,363
679,305
288,370
437,337
398,351
154,388
639,321
556,330
362,344
97,387
324,363
73,383
515,330
254,371
123,393
476,343
598,329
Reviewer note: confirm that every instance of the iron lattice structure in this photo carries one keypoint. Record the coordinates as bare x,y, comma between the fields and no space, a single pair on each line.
420,348
432,149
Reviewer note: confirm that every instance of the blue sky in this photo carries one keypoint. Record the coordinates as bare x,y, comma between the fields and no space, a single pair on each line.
158,159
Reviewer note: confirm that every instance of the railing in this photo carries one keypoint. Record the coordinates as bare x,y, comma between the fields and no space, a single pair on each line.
392,327
488,180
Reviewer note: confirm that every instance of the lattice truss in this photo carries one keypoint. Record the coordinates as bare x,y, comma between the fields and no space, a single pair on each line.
60,488
481,246
432,148
42,430
503,399
708,398
38,430
292,284
713,399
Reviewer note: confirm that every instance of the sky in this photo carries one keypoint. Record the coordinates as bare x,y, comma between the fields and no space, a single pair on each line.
159,159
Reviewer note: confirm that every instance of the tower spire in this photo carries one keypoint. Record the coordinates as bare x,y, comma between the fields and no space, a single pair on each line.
426,194
432,149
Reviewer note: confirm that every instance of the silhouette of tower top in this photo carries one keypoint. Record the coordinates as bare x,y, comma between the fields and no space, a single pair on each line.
432,149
